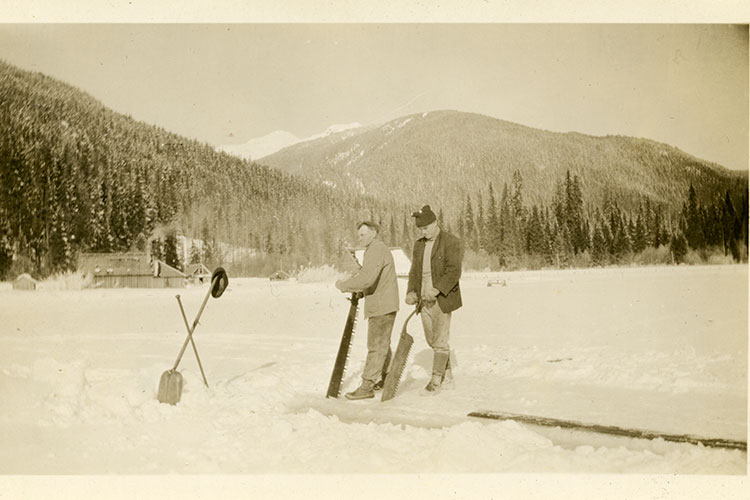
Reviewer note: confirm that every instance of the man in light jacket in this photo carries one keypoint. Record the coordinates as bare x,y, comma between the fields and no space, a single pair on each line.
377,281
433,279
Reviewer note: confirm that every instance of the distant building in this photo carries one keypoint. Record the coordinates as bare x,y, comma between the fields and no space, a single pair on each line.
24,282
129,270
400,259
198,273
279,276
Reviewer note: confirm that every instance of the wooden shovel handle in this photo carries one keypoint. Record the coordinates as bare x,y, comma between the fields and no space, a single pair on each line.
192,341
195,323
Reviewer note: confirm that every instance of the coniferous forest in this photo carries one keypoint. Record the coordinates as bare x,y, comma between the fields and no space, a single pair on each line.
566,233
77,177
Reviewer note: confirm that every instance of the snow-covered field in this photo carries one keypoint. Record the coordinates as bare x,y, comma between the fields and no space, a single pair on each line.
663,349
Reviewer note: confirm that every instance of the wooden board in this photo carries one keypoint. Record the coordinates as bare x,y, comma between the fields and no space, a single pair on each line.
611,430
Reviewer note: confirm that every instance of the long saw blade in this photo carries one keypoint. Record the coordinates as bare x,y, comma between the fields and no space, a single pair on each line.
390,386
405,341
334,386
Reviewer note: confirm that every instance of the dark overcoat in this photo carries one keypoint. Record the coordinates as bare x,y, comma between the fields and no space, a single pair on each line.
447,255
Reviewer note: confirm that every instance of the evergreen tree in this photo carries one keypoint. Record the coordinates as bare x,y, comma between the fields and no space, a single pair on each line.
470,236
549,237
573,212
535,233
558,204
481,236
608,240
510,243
208,244
729,227
460,224
598,246
6,258
621,244
492,227
582,235
563,249
712,222
648,222
171,257
693,225
517,197
678,245
657,231
639,234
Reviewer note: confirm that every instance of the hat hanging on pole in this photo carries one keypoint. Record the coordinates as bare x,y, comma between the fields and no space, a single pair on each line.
424,216
219,282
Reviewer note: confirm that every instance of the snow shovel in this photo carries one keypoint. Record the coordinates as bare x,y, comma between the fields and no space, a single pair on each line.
390,386
170,384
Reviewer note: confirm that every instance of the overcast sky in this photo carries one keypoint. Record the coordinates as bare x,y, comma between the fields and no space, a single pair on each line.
686,85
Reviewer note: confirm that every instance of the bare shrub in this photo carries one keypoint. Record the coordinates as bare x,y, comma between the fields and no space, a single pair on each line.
69,280
653,256
320,274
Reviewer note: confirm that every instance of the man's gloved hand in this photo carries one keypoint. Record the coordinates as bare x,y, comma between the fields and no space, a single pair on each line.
431,293
411,298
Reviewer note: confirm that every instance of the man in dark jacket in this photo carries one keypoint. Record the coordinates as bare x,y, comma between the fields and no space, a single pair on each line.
433,279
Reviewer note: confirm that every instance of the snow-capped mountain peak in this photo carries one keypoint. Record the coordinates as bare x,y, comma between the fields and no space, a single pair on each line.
259,147
332,130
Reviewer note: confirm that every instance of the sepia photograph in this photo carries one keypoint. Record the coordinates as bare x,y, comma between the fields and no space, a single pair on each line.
376,252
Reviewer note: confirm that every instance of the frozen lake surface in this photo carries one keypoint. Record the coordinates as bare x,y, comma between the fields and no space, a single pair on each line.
662,349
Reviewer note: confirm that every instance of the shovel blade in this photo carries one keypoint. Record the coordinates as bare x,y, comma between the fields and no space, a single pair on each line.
170,387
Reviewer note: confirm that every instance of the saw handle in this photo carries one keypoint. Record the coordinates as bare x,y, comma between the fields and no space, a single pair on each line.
416,310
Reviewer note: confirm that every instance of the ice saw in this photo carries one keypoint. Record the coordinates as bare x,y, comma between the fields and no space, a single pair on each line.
334,386
405,341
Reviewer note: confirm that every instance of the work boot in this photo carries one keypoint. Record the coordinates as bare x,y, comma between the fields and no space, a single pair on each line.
379,385
439,362
364,391
435,382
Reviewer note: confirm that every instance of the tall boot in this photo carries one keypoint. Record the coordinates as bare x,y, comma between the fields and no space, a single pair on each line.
439,362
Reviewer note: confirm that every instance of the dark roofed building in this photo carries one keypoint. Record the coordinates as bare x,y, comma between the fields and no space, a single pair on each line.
129,270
